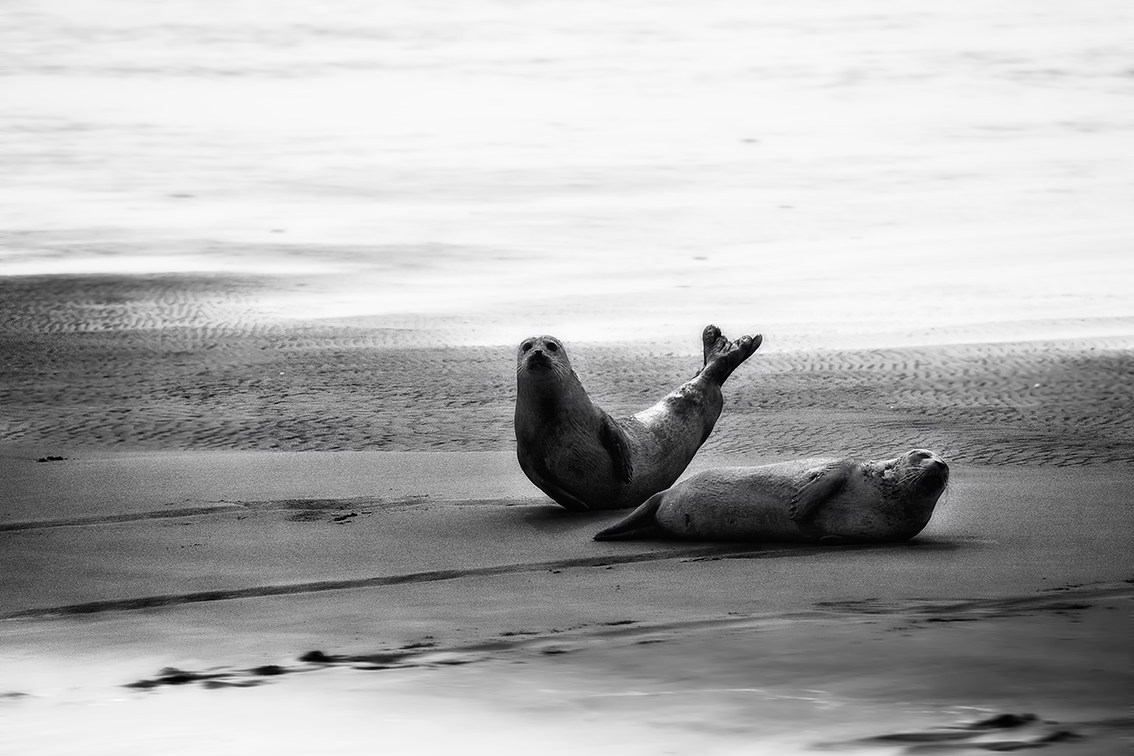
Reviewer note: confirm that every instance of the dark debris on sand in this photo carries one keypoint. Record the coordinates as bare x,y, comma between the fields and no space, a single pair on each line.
1000,733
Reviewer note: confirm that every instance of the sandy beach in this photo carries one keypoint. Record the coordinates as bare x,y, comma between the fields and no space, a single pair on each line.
263,271
191,514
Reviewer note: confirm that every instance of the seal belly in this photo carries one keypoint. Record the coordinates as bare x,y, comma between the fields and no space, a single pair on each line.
582,470
729,505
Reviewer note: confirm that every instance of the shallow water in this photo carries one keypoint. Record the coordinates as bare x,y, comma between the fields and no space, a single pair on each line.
603,170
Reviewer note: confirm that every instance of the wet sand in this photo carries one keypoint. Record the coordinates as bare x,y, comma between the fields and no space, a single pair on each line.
192,510
200,614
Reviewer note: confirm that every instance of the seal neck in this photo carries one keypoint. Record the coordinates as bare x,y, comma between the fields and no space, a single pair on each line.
549,395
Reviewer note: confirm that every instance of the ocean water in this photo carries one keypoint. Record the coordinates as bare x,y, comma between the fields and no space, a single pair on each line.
601,169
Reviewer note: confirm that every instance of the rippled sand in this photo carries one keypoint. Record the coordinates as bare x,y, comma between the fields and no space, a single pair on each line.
167,362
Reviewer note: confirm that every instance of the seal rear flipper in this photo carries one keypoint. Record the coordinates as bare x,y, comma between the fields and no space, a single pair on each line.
619,447
641,523
826,482
723,356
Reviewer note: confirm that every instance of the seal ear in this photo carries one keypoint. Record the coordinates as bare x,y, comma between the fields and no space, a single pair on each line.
825,484
615,442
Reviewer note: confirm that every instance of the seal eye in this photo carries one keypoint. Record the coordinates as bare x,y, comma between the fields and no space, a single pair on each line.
525,346
552,346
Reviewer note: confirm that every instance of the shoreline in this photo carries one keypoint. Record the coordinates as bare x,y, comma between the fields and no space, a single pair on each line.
794,315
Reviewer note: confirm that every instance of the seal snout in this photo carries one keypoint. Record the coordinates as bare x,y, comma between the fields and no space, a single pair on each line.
537,359
540,354
934,470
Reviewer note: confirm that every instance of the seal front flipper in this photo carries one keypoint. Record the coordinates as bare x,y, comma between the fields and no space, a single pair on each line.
615,442
538,473
825,483
641,523
564,499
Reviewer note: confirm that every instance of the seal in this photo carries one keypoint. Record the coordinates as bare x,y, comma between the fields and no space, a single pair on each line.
827,501
582,457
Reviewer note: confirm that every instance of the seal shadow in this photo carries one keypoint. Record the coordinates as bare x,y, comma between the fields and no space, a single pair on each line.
803,548
552,518
772,550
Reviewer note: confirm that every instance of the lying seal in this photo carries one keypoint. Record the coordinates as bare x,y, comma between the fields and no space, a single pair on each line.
585,459
812,500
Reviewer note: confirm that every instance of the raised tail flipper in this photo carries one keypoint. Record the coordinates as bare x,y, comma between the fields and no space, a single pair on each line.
723,356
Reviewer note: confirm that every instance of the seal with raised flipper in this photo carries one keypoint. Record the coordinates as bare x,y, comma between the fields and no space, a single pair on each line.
828,501
582,457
